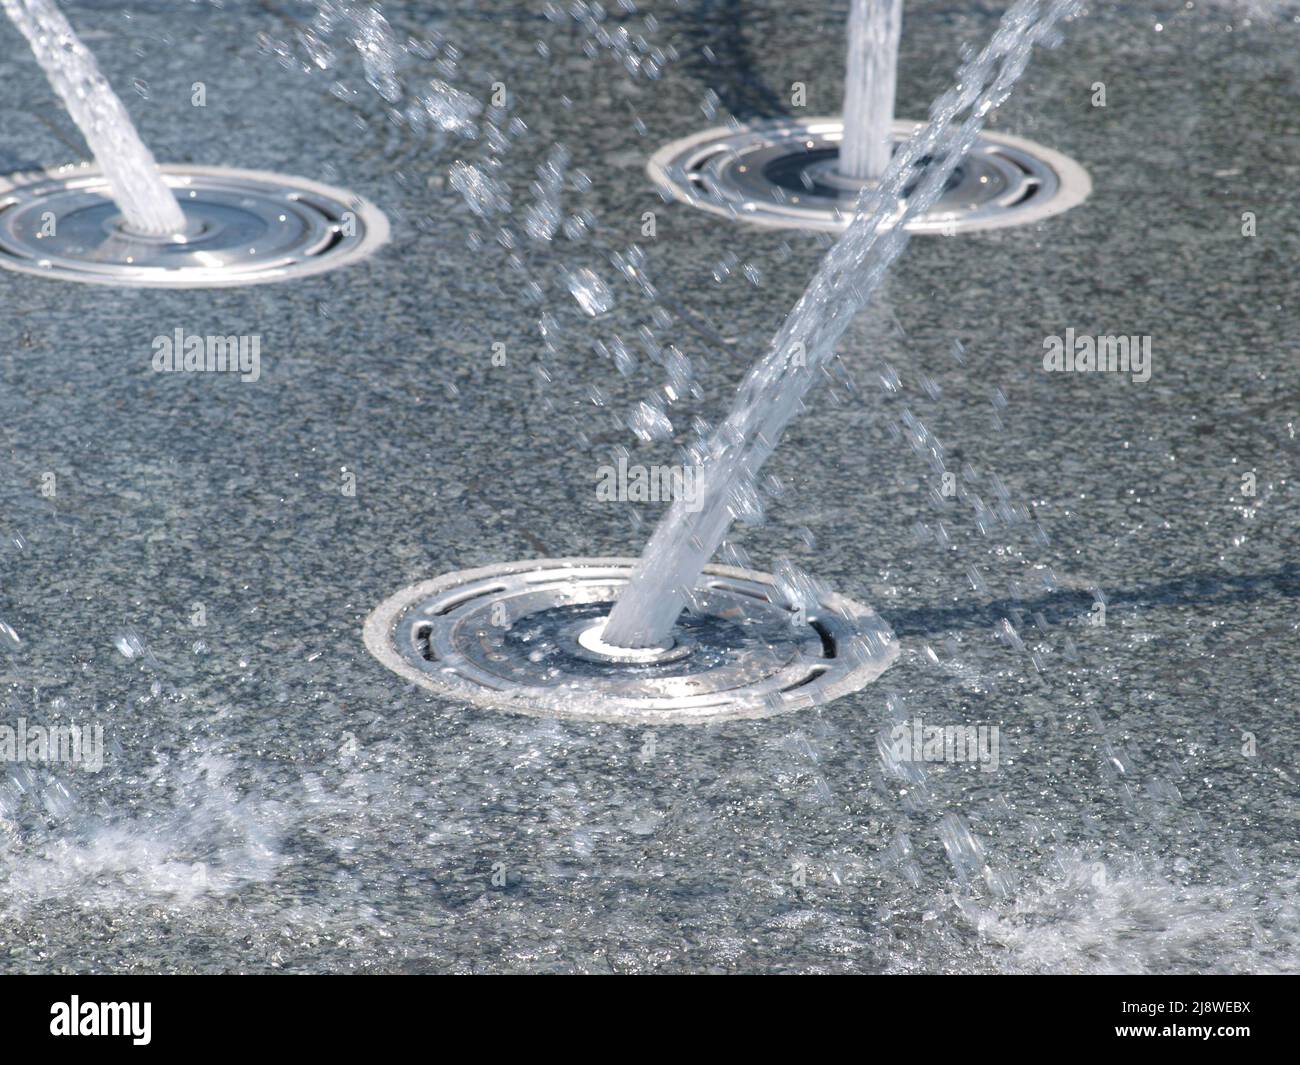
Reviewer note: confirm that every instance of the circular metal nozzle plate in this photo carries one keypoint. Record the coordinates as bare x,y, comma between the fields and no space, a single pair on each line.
243,227
524,637
782,174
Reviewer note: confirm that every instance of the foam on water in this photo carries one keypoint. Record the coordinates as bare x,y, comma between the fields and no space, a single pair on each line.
773,391
137,187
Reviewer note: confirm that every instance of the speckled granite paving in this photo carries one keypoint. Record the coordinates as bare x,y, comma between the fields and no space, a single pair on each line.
273,799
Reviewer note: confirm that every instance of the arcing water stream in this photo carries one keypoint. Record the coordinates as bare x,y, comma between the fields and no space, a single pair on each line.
147,204
772,393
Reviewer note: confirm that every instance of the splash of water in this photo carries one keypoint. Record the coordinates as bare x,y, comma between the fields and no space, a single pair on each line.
212,840
773,391
1130,917
869,81
134,182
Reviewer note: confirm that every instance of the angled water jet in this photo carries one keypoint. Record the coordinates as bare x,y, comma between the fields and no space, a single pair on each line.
670,638
127,221
773,391
526,637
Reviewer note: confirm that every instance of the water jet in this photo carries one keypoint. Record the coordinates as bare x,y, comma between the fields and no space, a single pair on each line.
127,221
506,636
527,637
809,173
783,174
239,227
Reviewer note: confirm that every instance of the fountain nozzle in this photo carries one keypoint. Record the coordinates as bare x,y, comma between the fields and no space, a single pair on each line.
591,640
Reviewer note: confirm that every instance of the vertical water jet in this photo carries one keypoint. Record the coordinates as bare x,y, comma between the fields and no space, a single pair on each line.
870,81
795,172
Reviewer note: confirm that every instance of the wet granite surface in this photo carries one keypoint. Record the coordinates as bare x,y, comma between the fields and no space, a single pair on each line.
273,799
